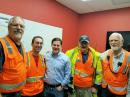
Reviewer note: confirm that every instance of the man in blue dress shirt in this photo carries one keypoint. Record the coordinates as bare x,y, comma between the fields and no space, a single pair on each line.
58,70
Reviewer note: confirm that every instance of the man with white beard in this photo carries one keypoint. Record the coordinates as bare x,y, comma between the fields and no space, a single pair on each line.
12,59
116,65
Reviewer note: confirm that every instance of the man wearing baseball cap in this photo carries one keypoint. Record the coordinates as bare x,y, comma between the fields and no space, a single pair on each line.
86,68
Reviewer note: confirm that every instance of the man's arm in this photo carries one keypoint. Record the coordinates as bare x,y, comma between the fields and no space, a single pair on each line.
67,73
2,57
98,74
128,88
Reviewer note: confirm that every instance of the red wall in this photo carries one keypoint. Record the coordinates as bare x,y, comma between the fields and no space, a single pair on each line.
47,12
96,25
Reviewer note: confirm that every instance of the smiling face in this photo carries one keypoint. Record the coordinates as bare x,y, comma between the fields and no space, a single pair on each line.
56,45
37,44
16,29
116,41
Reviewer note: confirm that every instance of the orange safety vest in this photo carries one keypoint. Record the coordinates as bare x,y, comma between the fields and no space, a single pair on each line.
13,76
84,72
34,83
118,80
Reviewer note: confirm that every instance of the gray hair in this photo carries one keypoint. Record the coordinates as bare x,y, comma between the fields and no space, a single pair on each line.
118,35
14,18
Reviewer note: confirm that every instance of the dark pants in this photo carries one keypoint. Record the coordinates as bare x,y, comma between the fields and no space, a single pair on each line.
99,93
107,93
37,95
14,94
53,92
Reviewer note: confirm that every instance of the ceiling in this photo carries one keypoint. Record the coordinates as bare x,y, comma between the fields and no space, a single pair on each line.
94,5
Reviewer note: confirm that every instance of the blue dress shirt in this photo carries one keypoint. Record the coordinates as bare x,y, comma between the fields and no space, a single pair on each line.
58,69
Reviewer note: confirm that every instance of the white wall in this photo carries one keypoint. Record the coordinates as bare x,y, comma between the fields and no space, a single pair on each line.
32,29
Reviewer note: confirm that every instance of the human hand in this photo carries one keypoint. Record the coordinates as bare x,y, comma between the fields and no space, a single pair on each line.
128,95
59,88
0,95
93,90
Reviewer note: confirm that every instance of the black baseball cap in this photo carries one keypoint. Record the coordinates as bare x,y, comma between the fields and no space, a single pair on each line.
84,39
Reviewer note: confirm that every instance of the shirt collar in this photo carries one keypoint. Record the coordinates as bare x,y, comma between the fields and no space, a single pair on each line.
55,55
120,54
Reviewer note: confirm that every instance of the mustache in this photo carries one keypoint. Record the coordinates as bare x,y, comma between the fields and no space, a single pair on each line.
16,31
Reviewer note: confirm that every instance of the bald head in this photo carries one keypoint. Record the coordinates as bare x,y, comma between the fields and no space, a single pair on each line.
116,41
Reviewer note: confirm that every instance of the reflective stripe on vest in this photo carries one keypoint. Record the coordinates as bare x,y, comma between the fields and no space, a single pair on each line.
81,73
119,86
11,86
126,67
8,46
42,58
28,59
34,79
119,89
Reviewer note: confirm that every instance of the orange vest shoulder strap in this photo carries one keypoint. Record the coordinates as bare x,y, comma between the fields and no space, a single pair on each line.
28,59
9,47
42,59
127,54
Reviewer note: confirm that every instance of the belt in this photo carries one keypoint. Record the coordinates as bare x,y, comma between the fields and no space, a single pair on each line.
51,86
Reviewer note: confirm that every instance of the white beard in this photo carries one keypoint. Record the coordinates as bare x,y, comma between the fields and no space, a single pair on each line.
19,35
115,48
